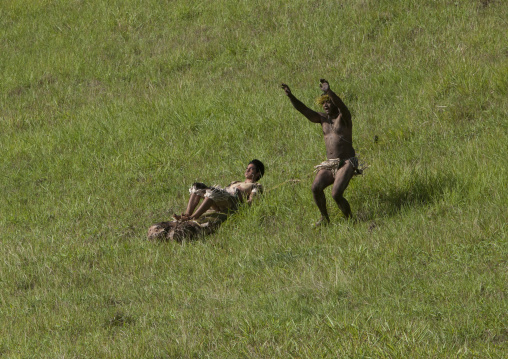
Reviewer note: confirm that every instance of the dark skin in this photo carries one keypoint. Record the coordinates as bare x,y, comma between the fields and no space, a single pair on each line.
338,135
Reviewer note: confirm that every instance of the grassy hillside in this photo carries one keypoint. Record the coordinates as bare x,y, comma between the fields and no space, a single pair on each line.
111,109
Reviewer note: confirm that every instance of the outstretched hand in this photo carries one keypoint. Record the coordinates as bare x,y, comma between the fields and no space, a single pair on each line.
286,89
324,85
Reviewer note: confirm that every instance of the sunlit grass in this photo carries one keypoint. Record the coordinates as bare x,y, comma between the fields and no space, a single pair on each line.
110,110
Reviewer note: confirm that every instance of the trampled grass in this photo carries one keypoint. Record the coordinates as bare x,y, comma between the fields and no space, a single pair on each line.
110,110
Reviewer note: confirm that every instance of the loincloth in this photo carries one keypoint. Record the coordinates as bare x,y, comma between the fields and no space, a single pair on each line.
333,165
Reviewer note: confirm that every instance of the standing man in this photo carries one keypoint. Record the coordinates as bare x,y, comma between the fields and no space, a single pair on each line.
341,164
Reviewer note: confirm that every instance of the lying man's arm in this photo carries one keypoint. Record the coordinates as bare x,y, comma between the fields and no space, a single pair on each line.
256,191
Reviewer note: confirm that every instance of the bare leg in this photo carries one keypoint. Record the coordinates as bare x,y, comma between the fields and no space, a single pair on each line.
192,204
205,206
323,179
342,178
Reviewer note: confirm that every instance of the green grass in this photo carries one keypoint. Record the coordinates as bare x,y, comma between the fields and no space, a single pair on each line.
110,110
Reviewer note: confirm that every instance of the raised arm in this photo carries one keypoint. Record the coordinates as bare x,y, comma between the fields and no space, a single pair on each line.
311,115
325,87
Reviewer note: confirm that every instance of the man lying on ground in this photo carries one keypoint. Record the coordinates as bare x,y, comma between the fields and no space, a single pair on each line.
209,207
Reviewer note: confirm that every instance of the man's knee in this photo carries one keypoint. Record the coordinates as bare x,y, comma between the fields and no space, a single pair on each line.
317,187
337,195
322,180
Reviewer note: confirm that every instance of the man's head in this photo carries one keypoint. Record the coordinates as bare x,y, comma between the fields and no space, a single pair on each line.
327,104
322,99
255,170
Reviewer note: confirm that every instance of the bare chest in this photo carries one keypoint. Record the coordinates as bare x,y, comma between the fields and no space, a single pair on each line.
242,186
335,126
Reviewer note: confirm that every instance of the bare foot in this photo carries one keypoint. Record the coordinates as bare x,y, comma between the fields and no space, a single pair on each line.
182,217
322,222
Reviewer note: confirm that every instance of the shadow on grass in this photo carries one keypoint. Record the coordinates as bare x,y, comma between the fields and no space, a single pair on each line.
119,320
416,191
